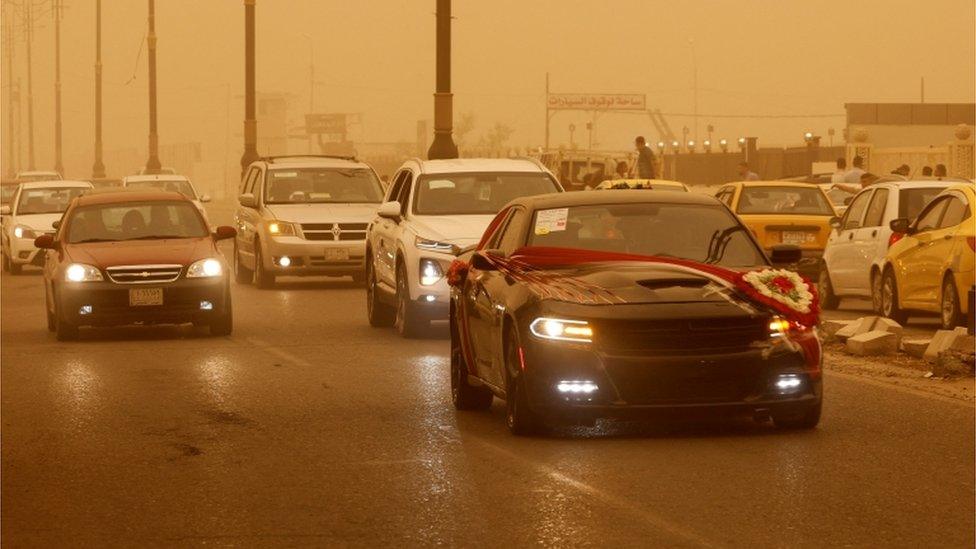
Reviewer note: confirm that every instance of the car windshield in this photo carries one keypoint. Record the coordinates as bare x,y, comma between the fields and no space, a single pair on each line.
322,185
705,233
47,200
784,200
483,193
135,221
177,185
912,201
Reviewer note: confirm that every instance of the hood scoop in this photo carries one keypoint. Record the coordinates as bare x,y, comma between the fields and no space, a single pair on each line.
676,282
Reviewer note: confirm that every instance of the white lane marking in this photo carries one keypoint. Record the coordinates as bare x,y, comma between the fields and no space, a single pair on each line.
638,511
968,403
270,349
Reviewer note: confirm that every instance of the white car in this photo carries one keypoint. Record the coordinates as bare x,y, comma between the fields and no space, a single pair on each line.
855,253
304,216
433,210
33,211
168,182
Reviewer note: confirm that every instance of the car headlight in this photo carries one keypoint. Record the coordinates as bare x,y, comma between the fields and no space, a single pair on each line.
205,268
79,272
281,228
436,246
430,272
21,231
778,326
562,330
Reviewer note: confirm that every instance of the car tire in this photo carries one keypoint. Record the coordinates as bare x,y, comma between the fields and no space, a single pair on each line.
828,300
380,314
889,299
406,322
950,312
262,278
64,330
809,418
242,275
12,268
876,292
465,396
519,417
223,324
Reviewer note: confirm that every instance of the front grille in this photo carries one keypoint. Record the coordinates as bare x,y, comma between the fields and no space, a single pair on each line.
334,231
144,274
681,337
686,380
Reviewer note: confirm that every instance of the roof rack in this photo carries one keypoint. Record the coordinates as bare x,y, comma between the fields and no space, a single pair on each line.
273,159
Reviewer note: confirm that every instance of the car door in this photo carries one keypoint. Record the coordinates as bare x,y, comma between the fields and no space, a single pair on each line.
400,235
865,244
247,220
938,254
842,263
917,263
381,235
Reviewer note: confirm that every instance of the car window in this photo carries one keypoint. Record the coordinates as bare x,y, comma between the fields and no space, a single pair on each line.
725,195
476,193
929,219
855,213
876,209
403,197
784,201
47,200
135,221
512,236
911,201
394,189
494,242
956,211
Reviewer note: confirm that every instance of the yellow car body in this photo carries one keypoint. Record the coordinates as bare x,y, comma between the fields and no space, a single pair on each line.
932,265
653,184
783,212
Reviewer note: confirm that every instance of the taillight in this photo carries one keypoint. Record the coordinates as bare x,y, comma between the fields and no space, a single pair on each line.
895,237
972,242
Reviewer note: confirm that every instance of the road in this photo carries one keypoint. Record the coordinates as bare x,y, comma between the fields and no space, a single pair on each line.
307,427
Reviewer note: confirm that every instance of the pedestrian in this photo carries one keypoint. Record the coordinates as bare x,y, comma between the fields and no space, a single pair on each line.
645,159
622,170
838,176
927,171
940,171
745,174
904,170
854,174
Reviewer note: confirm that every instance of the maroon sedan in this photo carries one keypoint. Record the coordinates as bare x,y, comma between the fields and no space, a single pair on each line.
127,257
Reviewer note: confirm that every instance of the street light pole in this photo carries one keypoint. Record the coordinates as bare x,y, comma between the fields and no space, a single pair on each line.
153,166
58,162
311,84
11,154
250,122
443,145
98,168
30,88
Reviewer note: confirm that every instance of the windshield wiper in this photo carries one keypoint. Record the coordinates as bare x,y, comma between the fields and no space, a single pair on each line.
155,237
718,243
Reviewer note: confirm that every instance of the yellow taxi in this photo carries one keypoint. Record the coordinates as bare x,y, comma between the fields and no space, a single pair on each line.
783,212
652,184
930,266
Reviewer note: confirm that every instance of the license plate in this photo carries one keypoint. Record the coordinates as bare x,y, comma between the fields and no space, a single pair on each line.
797,237
336,254
142,297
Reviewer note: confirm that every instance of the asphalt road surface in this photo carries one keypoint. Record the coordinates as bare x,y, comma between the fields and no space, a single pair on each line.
307,427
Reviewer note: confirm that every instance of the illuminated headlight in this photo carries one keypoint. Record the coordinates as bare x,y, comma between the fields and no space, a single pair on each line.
78,272
205,268
788,383
576,387
430,272
281,228
435,246
562,330
778,326
21,231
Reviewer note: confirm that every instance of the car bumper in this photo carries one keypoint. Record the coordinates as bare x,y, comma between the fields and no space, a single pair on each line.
311,257
23,252
109,302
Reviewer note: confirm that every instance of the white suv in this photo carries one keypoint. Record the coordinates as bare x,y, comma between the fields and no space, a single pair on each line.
434,209
304,216
33,210
855,253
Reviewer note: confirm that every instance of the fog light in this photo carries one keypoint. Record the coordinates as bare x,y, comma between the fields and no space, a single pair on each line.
788,383
284,261
576,387
430,298
206,306
85,310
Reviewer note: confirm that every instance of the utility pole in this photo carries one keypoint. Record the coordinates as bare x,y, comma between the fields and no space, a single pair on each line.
694,82
11,159
311,84
58,161
250,122
30,86
153,166
98,168
443,145
547,111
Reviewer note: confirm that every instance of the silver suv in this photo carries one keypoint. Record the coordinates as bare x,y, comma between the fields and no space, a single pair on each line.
304,216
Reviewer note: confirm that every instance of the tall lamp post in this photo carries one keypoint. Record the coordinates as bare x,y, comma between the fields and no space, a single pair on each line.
98,168
30,87
153,165
250,122
443,145
58,162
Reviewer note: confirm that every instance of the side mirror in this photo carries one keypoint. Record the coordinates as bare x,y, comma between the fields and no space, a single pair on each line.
902,225
248,200
785,254
5,209
205,198
482,260
835,222
56,224
224,232
389,210
44,242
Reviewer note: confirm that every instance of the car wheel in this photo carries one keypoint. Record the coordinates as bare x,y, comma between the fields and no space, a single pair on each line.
262,278
806,419
828,300
223,325
519,417
889,299
876,292
464,395
63,330
380,314
406,322
13,268
951,315
242,275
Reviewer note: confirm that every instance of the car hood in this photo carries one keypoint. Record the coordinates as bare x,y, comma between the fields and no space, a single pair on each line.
462,230
324,213
176,251
38,222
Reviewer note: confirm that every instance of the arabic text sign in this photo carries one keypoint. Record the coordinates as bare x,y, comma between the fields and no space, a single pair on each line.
598,101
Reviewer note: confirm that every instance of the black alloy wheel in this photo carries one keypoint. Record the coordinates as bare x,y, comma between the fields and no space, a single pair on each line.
380,314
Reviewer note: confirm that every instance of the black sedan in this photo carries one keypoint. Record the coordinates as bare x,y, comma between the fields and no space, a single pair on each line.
580,306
